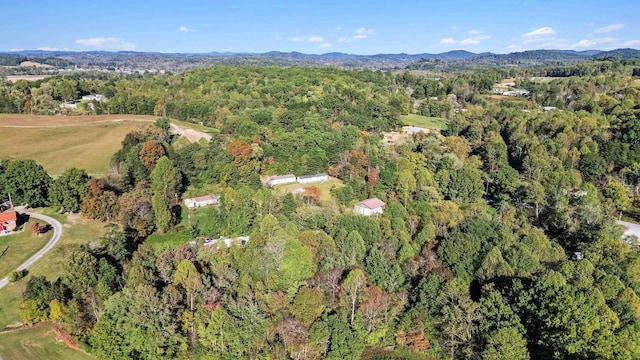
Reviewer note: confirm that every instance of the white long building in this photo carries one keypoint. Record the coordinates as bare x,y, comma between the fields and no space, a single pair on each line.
308,179
282,179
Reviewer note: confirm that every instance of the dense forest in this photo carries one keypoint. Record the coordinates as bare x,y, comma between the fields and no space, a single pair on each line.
498,239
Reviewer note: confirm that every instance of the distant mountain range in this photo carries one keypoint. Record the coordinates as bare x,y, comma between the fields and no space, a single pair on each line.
176,62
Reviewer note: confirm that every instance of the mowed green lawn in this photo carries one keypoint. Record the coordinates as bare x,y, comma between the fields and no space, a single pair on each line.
76,230
426,122
20,246
39,342
324,187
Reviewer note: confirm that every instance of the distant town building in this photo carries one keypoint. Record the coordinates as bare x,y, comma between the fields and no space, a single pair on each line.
206,200
370,207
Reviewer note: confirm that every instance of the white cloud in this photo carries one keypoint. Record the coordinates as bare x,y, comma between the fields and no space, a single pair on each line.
325,45
362,33
110,43
47,48
543,31
359,34
448,41
310,38
15,50
475,40
338,28
205,25
631,43
184,29
608,28
453,27
512,47
469,41
594,42
543,35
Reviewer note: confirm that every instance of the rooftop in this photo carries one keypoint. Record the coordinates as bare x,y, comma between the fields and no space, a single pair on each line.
8,216
372,203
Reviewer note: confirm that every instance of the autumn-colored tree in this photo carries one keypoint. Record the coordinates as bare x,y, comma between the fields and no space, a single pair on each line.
36,228
136,211
150,153
311,194
358,164
240,151
376,303
373,177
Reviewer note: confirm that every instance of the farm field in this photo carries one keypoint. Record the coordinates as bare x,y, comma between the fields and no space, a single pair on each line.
424,121
61,142
38,342
20,246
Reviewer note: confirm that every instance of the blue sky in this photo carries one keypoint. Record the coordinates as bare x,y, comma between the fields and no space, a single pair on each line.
316,27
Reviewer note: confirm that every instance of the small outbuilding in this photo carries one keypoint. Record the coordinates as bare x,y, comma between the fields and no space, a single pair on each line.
206,200
8,222
370,207
282,179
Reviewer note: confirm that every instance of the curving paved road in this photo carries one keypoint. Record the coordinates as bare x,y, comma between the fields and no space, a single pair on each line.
631,228
57,233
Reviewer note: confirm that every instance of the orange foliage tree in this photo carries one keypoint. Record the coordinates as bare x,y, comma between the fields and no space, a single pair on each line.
150,153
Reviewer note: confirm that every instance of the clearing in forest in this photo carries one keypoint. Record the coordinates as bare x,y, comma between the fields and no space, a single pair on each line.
426,122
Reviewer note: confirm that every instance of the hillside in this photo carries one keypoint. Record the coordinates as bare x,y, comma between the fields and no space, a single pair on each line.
130,61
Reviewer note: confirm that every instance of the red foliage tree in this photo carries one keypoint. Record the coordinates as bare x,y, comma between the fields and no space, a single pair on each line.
36,228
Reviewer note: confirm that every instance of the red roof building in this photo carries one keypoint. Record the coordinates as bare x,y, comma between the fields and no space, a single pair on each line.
8,221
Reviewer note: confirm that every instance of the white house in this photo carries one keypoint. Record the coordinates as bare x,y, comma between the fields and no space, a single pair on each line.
370,207
283,179
308,179
96,97
197,202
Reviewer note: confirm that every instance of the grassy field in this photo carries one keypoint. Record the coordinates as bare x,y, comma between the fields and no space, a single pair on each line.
77,230
61,142
424,121
20,246
324,187
39,342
